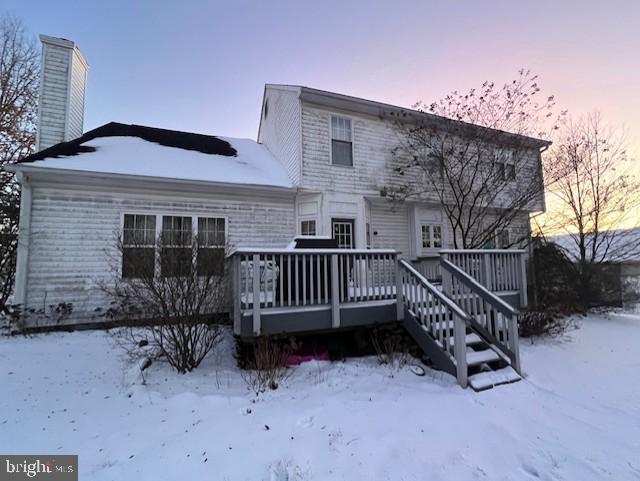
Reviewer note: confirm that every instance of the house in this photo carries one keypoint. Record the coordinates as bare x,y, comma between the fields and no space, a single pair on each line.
617,260
318,168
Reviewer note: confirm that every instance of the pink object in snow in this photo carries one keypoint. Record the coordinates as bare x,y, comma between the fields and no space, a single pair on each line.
297,359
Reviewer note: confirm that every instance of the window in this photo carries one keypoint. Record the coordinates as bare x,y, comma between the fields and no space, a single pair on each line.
308,227
176,250
176,255
341,141
431,236
138,246
504,167
211,245
343,233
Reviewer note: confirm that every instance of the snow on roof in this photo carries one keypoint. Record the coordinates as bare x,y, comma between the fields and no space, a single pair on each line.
613,246
150,152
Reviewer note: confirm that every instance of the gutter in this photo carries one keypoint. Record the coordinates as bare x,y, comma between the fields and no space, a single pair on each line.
30,169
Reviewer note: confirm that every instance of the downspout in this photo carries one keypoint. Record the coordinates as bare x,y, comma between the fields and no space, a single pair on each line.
22,259
532,278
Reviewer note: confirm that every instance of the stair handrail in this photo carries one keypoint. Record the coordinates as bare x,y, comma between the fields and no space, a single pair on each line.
435,291
512,350
504,307
460,321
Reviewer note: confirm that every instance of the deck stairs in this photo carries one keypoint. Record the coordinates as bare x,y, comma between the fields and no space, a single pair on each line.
462,327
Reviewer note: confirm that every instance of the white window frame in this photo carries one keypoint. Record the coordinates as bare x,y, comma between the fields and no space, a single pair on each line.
159,216
124,245
431,248
309,219
353,160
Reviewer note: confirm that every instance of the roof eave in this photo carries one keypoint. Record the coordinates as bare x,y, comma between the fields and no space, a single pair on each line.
30,168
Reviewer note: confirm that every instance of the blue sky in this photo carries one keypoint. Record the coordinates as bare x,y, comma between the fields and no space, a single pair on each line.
201,66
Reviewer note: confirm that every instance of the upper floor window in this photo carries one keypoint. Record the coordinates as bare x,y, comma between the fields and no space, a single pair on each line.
504,167
341,141
431,236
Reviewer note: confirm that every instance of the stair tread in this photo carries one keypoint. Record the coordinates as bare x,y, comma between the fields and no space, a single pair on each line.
489,379
478,357
469,339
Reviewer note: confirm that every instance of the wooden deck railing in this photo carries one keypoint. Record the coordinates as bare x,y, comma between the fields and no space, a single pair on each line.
429,267
499,270
269,279
438,315
496,320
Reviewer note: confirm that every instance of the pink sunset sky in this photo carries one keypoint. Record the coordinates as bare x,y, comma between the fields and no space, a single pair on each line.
201,66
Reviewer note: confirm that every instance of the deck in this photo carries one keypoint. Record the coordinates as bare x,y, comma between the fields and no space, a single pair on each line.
307,290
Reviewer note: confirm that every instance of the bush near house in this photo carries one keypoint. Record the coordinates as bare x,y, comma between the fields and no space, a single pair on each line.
167,300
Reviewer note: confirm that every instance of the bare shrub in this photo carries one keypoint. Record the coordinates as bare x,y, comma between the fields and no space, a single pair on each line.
542,323
168,295
267,368
390,347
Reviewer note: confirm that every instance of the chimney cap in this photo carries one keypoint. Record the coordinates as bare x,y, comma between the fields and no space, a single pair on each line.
63,42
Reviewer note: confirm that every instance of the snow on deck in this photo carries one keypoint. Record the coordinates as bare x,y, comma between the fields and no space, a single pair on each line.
134,156
576,416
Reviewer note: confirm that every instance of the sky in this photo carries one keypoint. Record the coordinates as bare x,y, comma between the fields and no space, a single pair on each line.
201,65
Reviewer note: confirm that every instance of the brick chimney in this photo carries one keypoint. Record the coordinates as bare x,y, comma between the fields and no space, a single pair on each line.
63,80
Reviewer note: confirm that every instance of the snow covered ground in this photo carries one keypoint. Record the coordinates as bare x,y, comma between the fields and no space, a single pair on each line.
576,416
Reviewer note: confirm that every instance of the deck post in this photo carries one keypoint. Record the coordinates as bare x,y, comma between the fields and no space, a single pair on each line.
514,342
446,282
460,349
335,292
524,301
486,271
236,294
256,295
399,291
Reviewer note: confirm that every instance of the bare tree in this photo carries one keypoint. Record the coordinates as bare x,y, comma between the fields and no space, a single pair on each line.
473,153
169,294
19,73
596,192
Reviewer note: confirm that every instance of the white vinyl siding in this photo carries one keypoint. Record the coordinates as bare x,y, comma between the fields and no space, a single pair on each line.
373,140
73,243
390,228
280,129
